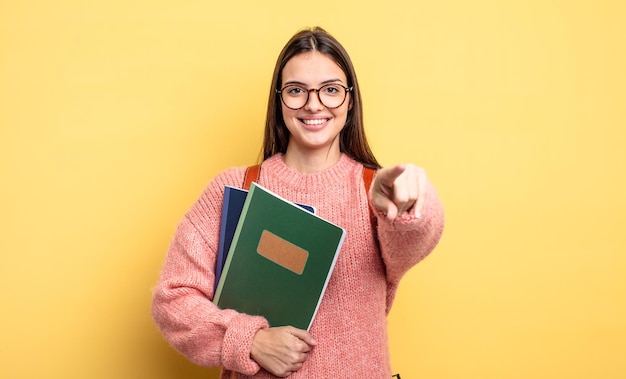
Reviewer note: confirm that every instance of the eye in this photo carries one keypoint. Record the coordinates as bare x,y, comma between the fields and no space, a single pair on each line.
294,91
332,89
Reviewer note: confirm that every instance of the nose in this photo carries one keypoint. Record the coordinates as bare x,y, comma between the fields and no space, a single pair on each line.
314,103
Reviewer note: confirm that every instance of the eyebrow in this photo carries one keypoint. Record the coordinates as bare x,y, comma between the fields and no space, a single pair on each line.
322,83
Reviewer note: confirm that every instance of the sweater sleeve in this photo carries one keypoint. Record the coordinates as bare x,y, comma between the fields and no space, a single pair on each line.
182,304
409,239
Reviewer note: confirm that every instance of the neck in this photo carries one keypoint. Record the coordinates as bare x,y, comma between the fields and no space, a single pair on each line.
308,162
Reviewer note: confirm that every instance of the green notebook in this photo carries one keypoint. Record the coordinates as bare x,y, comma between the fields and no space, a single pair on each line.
279,262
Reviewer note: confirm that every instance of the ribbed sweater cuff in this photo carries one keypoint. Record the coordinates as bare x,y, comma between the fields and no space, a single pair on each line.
238,342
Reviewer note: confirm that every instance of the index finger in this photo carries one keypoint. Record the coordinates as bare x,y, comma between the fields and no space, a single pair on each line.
388,176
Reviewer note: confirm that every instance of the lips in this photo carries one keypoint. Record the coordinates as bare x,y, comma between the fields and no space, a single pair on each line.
315,121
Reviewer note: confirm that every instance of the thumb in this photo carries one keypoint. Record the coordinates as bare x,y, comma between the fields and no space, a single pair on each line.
383,190
304,336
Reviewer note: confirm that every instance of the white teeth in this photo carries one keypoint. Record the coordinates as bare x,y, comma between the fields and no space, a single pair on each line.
315,121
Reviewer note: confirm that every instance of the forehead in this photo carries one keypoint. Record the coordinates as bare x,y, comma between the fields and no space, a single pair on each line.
312,68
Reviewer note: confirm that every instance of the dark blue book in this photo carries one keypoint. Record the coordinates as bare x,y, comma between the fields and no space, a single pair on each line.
234,198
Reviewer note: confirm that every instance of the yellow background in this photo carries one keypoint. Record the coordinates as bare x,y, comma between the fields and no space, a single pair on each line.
115,114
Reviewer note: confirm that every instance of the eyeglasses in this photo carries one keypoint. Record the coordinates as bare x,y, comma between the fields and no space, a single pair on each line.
331,95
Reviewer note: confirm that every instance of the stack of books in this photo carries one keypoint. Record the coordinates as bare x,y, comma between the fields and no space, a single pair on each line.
275,257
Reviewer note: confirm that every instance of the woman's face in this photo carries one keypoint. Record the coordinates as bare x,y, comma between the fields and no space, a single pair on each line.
314,127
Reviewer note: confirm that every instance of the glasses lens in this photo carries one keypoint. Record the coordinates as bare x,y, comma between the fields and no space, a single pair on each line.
294,97
332,95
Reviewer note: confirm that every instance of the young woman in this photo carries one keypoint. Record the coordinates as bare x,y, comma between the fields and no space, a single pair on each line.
314,153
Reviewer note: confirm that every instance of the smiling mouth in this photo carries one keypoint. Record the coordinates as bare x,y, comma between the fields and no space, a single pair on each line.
317,121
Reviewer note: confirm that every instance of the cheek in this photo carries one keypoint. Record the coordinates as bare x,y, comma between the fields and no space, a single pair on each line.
287,113
344,113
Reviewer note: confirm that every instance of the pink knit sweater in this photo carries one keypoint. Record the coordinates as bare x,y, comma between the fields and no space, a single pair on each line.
350,326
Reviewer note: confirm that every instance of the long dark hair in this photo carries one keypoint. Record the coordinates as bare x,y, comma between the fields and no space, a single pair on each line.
352,139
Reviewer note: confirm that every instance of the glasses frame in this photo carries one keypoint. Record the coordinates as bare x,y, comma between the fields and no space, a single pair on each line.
317,90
